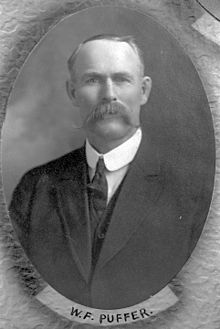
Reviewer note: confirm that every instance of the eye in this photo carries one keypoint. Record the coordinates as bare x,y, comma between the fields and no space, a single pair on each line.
92,80
122,79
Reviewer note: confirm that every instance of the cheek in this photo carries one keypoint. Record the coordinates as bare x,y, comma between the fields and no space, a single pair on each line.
132,94
88,98
133,100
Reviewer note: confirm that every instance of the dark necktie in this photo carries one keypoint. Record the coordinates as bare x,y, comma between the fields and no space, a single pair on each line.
98,189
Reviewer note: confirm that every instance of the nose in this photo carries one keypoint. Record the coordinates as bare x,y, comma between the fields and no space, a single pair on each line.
108,91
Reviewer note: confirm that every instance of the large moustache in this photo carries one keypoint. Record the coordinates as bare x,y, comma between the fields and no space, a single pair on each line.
111,108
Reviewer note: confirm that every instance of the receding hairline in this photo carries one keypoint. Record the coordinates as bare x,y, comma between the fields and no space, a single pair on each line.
108,37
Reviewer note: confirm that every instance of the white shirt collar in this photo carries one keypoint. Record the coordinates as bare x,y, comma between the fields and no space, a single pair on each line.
118,157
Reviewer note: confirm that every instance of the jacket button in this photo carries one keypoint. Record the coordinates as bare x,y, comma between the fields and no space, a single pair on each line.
101,235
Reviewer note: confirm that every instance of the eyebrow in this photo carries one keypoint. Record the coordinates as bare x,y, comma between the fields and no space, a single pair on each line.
91,74
101,75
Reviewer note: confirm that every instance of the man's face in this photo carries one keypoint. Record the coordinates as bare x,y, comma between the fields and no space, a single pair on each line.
109,88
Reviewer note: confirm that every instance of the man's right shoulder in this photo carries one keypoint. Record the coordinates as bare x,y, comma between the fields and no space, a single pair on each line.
56,167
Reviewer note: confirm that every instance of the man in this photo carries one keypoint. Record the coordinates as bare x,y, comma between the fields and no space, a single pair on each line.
107,225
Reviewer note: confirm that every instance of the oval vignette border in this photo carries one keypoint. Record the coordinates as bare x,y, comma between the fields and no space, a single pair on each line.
42,34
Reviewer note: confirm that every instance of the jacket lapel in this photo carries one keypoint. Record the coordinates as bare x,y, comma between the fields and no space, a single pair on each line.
72,205
139,192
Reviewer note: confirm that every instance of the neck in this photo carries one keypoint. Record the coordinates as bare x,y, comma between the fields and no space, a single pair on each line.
104,145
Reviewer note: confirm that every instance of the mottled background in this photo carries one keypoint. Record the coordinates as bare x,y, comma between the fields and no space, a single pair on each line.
40,118
22,24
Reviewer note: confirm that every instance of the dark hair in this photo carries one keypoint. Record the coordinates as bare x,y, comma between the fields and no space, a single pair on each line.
128,39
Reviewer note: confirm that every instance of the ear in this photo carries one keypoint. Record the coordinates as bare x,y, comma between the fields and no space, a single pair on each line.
70,88
146,88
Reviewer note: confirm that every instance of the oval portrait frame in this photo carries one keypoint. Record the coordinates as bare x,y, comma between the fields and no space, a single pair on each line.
79,313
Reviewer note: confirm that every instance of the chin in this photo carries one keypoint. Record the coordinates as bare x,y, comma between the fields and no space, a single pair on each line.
111,129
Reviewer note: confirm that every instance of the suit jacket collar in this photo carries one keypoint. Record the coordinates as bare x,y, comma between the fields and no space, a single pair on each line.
72,202
140,190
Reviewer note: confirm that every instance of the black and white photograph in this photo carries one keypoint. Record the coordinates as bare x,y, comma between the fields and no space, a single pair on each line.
108,163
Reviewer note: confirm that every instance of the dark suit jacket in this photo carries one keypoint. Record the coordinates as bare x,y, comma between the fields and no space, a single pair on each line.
158,217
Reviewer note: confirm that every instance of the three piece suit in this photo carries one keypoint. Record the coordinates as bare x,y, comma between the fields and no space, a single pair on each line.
155,222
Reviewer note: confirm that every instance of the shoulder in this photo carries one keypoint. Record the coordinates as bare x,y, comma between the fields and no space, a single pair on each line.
58,166
49,171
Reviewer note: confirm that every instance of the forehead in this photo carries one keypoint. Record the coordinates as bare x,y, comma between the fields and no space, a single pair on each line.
105,56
